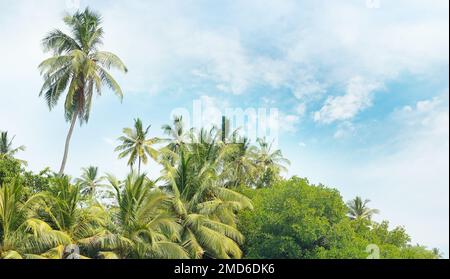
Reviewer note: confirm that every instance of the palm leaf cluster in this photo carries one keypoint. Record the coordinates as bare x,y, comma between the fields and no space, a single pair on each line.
78,69
358,209
189,212
7,148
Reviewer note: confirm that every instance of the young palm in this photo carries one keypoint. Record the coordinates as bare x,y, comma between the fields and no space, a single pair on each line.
90,181
137,146
62,209
6,146
358,209
78,68
144,228
269,162
178,136
22,233
241,164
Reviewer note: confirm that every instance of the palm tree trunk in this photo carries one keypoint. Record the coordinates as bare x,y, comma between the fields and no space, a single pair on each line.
139,166
66,148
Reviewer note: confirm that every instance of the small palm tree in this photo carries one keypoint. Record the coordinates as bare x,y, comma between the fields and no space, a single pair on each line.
358,209
241,164
62,208
22,233
90,181
6,146
438,254
144,227
269,162
177,133
137,146
79,68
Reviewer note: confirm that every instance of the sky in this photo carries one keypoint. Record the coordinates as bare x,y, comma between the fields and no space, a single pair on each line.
361,89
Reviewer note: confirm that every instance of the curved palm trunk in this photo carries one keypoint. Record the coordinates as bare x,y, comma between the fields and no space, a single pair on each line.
66,148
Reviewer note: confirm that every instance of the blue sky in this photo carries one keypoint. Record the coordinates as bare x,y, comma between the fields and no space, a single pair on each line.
362,89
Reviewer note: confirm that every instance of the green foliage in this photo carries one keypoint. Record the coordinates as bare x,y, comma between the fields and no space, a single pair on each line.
218,196
78,68
136,145
77,65
295,219
9,169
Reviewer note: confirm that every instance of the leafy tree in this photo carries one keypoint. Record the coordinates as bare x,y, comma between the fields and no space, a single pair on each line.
78,68
10,168
295,219
137,146
290,220
358,209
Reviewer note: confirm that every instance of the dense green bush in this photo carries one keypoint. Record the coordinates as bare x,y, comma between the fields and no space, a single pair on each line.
295,219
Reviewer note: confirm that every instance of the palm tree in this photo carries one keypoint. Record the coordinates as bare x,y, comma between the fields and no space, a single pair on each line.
177,133
6,146
137,146
144,227
358,209
269,162
206,209
77,68
90,181
437,253
62,209
241,163
22,233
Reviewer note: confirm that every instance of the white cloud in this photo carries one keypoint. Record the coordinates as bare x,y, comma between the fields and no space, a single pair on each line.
357,98
428,117
289,122
344,130
306,88
301,109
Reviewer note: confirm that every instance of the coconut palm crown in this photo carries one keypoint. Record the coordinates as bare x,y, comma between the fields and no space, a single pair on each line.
78,68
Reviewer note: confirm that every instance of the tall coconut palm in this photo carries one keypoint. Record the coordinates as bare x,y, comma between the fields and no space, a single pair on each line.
78,68
144,227
6,146
22,233
358,209
90,181
270,163
137,146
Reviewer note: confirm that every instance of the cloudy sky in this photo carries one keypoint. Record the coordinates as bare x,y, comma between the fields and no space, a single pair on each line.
362,88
